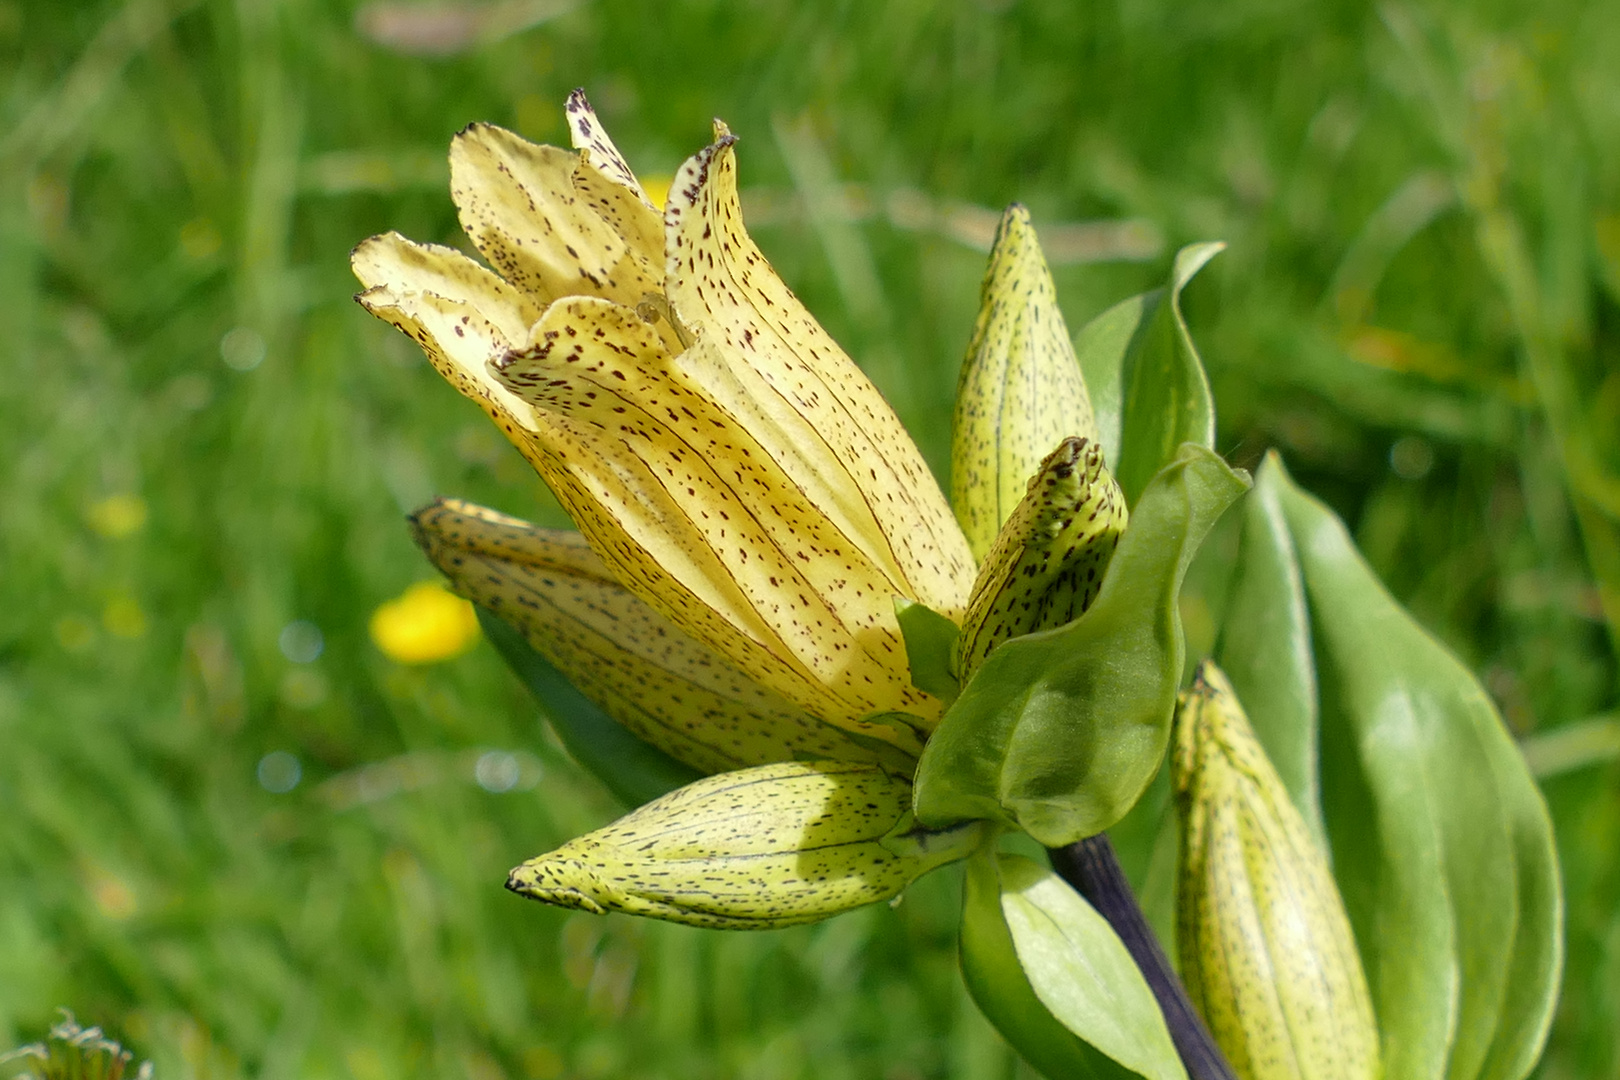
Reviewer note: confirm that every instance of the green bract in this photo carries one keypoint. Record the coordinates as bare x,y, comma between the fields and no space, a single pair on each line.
1060,731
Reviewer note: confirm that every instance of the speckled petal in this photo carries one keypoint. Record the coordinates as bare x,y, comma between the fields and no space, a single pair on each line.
1020,390
708,525
460,313
779,371
520,205
663,685
758,848
588,134
1049,558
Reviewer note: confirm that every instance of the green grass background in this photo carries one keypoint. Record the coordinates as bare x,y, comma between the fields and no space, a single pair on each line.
1420,307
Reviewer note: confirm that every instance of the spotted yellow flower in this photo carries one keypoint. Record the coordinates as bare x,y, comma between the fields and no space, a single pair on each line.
750,510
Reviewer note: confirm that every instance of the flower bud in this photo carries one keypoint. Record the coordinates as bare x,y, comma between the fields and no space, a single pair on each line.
756,848
1048,560
1020,390
1266,949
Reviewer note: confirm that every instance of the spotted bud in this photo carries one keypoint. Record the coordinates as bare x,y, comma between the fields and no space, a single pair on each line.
1020,390
1048,560
757,848
1266,949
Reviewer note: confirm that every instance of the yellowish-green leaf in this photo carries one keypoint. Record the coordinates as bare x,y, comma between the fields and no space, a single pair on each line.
771,365
930,641
665,687
1047,564
1020,391
759,848
1428,807
1265,647
1266,949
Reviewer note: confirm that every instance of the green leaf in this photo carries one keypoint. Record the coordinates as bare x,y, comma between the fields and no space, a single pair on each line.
929,637
1439,834
1060,731
1148,390
1033,951
1102,346
634,771
1265,645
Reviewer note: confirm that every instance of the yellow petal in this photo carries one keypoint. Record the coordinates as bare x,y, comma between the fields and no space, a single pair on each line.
460,313
1266,949
758,848
778,371
1020,390
707,528
589,135
663,685
520,205
1048,560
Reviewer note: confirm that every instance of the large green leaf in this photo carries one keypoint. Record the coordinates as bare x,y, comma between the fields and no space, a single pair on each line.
1439,834
1053,976
1265,645
1060,731
636,772
1148,390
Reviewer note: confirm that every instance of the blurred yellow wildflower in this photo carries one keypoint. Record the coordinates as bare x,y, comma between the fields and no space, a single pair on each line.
424,624
117,516
657,188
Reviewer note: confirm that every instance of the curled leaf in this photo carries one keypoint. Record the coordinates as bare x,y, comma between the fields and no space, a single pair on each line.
1055,979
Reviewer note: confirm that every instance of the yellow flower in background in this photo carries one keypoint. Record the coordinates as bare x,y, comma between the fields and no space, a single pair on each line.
657,188
424,624
117,516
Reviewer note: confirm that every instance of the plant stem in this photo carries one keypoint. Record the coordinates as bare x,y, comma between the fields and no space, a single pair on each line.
1093,869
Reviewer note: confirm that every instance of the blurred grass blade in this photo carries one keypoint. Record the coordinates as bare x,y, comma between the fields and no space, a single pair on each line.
1020,391
1265,645
1439,833
1053,976
635,771
1594,741
1059,732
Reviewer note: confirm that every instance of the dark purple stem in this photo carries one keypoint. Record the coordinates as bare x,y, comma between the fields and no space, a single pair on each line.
1093,869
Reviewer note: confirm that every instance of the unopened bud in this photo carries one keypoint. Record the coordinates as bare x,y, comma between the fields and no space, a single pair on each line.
1020,390
1048,560
756,848
1266,950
